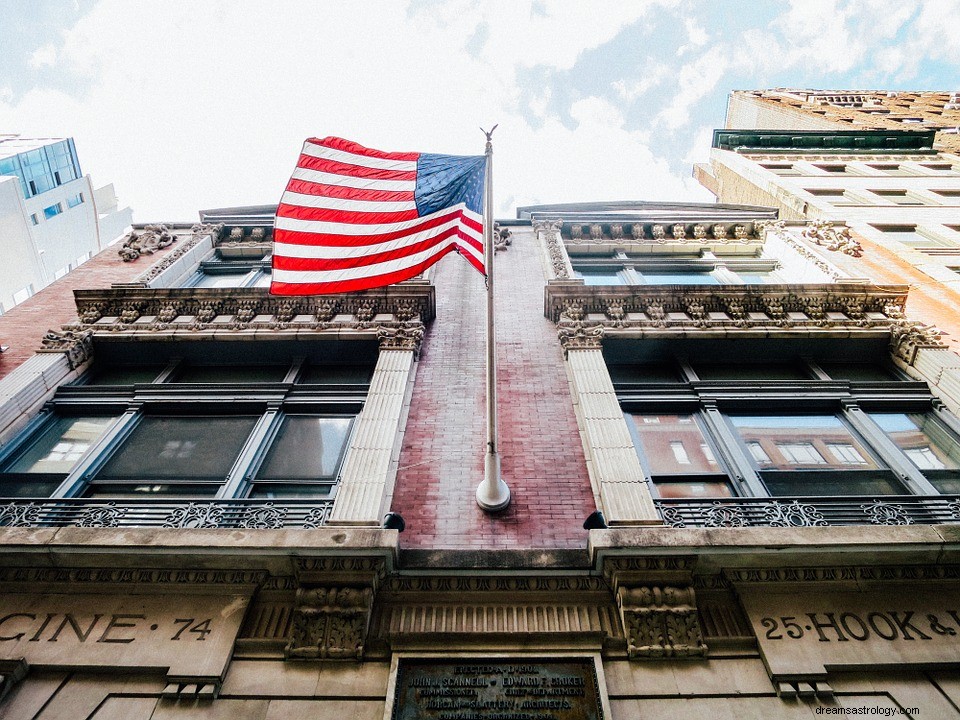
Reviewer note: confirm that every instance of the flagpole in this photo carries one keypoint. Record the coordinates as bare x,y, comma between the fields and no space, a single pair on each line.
493,493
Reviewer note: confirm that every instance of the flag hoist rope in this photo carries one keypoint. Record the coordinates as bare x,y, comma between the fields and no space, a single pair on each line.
493,493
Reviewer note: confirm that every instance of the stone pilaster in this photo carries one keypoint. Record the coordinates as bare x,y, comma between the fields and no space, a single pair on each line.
612,460
368,471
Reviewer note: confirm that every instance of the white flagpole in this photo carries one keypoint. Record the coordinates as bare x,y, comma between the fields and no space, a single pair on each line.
493,493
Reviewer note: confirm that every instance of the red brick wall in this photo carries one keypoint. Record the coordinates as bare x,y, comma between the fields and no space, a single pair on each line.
22,328
441,463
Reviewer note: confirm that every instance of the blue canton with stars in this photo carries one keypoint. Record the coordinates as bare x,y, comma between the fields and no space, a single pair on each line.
445,180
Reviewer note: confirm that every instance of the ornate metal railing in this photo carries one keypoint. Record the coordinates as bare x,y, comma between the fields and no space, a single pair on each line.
810,511
164,513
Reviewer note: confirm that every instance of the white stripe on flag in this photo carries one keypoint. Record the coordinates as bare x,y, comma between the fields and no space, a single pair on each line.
330,252
356,273
355,182
326,153
330,203
335,228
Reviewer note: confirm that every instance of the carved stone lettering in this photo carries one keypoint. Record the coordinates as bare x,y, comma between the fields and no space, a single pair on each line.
188,635
486,689
804,632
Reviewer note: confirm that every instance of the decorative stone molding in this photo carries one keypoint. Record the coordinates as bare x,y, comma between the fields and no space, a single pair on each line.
11,672
408,336
190,690
835,239
330,623
28,576
76,344
145,242
149,310
579,336
550,231
844,574
499,583
502,237
197,233
661,621
633,308
906,338
619,233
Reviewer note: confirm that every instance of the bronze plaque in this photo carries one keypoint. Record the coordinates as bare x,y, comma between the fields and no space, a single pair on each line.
549,689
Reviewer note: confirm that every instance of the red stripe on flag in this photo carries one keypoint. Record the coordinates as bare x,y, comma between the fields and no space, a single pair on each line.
349,146
284,262
301,237
375,281
359,171
342,192
299,212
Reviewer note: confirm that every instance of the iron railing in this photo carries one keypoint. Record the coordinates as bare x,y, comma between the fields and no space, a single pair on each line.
810,511
164,513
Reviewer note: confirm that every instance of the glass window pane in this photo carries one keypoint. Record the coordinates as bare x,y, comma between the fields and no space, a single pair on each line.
857,371
645,372
928,444
800,442
111,490
693,489
599,276
679,278
230,373
336,374
674,444
179,449
221,280
59,446
280,490
307,448
752,371
125,375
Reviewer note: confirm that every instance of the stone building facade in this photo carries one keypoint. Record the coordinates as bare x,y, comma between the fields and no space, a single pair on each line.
204,484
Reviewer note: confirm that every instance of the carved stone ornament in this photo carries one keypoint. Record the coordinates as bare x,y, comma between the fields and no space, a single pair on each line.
197,233
578,336
146,242
661,621
906,338
550,230
679,231
636,231
814,307
502,237
76,344
330,623
825,234
406,337
11,672
221,310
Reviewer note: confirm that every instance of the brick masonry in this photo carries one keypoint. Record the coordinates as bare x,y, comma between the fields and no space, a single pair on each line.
441,462
23,327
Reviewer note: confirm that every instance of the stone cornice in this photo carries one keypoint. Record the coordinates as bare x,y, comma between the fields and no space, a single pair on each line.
728,306
395,314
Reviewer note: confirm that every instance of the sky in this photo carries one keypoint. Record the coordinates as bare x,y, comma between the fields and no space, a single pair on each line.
197,104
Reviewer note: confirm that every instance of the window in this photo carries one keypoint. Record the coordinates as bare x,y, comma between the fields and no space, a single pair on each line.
892,169
722,429
23,294
900,197
228,272
52,210
173,456
678,457
41,461
34,219
703,269
781,169
285,434
75,200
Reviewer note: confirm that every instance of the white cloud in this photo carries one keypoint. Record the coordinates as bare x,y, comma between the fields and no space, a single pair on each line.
45,56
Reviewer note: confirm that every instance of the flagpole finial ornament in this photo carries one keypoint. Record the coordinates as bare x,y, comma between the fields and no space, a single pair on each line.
489,134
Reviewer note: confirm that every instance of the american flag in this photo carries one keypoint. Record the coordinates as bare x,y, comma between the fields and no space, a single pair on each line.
353,218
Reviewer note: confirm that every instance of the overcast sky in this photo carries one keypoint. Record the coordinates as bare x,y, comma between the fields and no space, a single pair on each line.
191,104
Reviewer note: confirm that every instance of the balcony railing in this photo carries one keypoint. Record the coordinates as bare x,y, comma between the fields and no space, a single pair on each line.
810,511
164,513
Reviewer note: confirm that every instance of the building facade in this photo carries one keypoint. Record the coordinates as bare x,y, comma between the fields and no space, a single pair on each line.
735,484
52,219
